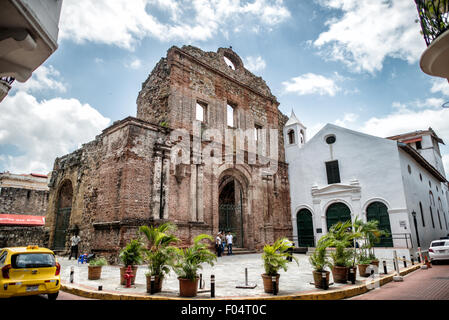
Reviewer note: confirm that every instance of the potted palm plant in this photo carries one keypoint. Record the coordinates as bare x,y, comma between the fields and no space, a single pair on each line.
340,236
319,262
275,257
131,255
189,260
94,268
159,254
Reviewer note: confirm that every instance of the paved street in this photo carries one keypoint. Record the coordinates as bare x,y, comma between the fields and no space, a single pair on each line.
430,284
229,272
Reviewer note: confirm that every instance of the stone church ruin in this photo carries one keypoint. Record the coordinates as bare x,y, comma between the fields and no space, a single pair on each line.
151,168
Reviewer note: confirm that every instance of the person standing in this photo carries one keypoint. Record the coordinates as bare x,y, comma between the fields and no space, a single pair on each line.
229,242
218,244
74,241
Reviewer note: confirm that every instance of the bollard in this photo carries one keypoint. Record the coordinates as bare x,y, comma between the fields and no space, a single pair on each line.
152,283
246,276
324,281
275,291
351,275
398,276
413,261
201,281
212,286
72,271
385,267
405,262
100,288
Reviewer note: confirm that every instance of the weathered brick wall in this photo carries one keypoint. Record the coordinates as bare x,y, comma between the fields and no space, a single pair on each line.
124,179
16,236
23,201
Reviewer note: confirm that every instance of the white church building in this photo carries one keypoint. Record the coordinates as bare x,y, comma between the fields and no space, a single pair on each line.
341,174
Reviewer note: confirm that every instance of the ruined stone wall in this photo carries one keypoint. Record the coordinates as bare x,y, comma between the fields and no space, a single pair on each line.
23,201
18,236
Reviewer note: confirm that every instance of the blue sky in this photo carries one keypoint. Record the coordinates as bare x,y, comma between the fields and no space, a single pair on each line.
348,62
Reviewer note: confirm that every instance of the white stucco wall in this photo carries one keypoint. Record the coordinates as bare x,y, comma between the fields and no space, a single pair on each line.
416,191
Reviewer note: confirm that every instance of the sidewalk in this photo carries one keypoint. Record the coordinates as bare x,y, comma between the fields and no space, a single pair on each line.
229,272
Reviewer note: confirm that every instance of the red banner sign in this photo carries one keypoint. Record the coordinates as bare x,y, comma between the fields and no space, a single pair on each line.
23,220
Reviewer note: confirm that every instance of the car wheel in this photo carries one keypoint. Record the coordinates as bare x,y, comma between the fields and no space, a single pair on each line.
53,296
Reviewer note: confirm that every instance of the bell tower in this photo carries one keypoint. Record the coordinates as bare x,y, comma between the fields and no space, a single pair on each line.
294,135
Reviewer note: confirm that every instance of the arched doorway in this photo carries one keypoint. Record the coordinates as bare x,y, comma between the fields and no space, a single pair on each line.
304,224
63,211
231,209
379,211
337,212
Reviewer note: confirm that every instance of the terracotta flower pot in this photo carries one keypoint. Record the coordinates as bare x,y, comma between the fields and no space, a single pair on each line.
157,284
268,283
340,274
187,287
375,263
94,272
123,272
362,270
318,279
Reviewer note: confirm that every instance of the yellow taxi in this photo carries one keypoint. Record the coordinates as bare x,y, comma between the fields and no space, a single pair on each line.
29,271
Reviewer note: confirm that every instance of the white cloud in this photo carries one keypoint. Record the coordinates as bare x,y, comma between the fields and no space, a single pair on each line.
370,31
311,83
43,78
123,23
44,130
134,64
440,85
255,64
347,119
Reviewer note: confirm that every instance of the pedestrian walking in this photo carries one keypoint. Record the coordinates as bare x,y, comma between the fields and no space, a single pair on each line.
229,242
74,241
218,244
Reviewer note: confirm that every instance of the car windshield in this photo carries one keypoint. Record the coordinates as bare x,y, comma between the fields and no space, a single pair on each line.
438,244
33,260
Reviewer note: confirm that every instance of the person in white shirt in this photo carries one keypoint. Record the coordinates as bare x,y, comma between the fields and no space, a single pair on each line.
218,244
74,241
229,242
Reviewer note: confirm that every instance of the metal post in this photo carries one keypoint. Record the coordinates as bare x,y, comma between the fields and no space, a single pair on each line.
152,285
212,286
413,261
385,267
72,271
273,279
100,288
405,262
420,255
324,281
246,276
398,276
352,275
201,281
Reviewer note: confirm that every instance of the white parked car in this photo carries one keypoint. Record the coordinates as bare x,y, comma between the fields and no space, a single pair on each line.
439,250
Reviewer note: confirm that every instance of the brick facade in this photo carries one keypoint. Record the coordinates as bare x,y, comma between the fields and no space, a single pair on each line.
126,176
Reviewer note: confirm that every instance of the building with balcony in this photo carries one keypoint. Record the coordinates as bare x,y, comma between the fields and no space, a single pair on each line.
28,36
434,18
341,174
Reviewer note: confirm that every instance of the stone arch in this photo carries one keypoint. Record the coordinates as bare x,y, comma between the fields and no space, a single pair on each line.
377,210
367,203
304,223
233,204
337,211
63,212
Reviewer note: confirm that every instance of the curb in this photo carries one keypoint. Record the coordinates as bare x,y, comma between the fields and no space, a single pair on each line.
337,294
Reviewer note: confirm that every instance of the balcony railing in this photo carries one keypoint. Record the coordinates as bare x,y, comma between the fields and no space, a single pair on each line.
434,17
8,80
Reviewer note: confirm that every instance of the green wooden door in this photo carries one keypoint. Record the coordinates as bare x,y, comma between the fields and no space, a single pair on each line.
62,224
378,211
337,212
304,223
